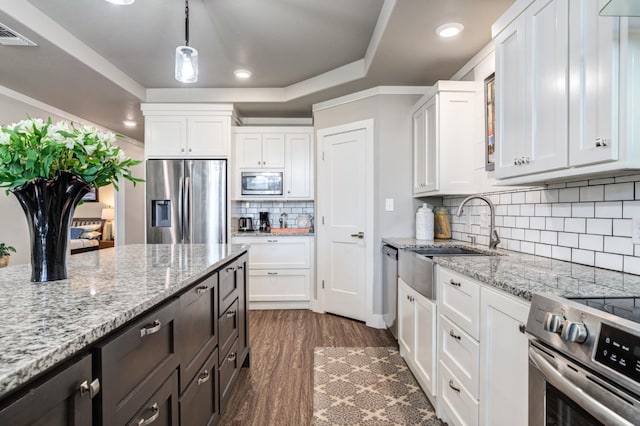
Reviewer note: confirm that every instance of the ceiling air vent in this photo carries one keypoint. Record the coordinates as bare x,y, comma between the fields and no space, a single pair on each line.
8,37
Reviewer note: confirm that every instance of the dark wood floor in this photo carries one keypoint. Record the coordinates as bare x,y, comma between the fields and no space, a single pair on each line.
278,387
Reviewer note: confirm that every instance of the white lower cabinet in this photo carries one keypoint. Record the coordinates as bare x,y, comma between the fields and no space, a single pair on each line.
280,271
482,353
504,358
417,336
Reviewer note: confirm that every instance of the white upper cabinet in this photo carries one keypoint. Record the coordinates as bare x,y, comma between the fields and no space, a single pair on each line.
187,130
260,151
443,138
298,172
564,98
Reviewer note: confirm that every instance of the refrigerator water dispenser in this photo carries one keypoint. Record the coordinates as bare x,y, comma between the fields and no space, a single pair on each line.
161,213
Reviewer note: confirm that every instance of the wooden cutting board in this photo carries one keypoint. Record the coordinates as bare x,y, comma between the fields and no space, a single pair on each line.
289,230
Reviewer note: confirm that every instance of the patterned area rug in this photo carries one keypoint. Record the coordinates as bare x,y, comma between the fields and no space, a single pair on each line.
367,386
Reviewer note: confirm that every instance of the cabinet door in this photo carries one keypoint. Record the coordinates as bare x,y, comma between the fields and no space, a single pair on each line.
57,401
406,320
160,409
208,136
165,136
593,87
546,102
280,285
503,359
242,277
425,343
298,175
199,403
273,151
248,150
432,136
419,151
279,253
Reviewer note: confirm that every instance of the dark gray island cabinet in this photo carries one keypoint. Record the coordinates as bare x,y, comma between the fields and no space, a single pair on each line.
175,364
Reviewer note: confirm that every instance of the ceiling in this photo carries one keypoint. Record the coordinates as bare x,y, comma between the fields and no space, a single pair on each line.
98,61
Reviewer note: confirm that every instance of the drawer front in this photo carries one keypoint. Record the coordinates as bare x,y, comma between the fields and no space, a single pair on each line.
199,402
228,371
279,252
461,353
459,299
228,285
137,360
161,409
198,327
228,327
458,405
280,285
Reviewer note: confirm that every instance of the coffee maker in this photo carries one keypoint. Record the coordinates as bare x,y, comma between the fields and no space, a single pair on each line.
265,226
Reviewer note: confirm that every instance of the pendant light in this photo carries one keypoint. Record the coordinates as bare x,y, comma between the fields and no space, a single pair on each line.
186,56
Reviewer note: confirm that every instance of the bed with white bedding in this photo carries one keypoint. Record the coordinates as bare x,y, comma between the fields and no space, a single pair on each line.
85,234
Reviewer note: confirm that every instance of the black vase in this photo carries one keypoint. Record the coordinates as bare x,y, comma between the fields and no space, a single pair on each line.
49,205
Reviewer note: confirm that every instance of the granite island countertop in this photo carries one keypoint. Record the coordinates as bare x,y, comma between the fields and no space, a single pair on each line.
45,323
270,234
522,274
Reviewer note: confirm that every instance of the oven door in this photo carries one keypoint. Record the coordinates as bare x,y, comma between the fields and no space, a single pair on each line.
562,392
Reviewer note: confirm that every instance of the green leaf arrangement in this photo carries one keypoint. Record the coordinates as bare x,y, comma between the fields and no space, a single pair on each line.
35,148
6,250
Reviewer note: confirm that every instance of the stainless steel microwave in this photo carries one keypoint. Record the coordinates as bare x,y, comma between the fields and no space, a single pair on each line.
262,183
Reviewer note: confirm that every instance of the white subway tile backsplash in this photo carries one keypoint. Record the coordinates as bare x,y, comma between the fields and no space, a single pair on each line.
549,237
569,195
599,226
575,225
601,181
632,265
561,253
590,242
527,210
501,210
505,198
514,245
556,185
582,210
499,220
577,183
532,197
514,210
612,209
622,227
567,239
527,247
510,221
628,178
555,223
536,222
517,198
630,209
620,245
543,250
609,261
561,210
619,191
517,234
592,193
532,235
504,232
549,196
584,257
543,210
522,222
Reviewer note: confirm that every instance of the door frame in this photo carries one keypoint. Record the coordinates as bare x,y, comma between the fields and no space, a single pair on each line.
318,304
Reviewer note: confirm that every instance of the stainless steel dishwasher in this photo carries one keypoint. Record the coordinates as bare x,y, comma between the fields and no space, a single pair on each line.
390,286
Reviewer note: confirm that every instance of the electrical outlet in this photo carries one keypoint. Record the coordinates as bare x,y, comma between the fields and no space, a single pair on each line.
635,230
388,204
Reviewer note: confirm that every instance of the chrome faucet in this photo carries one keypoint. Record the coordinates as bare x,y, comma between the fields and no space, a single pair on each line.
494,240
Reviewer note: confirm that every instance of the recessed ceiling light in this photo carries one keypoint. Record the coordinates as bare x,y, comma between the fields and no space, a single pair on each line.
243,74
121,2
129,123
449,30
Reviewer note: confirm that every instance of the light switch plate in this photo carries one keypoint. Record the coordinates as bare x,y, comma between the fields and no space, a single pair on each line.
635,230
388,204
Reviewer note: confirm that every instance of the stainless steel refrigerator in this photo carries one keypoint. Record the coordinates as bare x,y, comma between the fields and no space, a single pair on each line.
186,201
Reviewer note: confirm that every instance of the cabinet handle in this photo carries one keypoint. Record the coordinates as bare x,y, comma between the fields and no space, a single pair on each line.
454,283
231,269
601,142
515,161
232,357
189,149
92,389
204,377
522,328
527,160
272,273
272,241
240,268
156,413
288,192
150,329
231,314
181,149
452,386
201,289
258,163
454,335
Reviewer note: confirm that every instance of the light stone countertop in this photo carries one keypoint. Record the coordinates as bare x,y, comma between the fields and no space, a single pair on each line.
269,234
45,323
522,274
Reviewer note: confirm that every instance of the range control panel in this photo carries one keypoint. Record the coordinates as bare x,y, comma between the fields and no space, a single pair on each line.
620,351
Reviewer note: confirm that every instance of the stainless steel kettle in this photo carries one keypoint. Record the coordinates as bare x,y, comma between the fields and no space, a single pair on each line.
245,224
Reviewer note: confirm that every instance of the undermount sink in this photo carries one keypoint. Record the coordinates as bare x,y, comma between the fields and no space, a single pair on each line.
447,251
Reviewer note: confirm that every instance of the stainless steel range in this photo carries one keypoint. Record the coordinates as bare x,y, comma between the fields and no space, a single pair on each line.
584,361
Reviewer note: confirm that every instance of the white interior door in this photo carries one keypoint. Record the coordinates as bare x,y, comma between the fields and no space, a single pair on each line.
343,240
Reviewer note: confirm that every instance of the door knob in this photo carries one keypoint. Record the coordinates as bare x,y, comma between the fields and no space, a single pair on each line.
358,235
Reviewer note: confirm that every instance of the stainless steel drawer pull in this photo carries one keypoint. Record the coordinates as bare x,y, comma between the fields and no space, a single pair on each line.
231,269
201,289
452,386
204,377
454,283
272,273
272,241
156,413
231,357
454,335
150,329
231,314
92,389
240,267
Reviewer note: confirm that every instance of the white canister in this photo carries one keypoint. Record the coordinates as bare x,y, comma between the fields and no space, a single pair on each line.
424,223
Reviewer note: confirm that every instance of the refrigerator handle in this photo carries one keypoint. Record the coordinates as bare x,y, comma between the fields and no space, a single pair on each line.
181,207
187,211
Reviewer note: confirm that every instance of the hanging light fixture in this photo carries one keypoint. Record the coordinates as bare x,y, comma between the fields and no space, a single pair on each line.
186,56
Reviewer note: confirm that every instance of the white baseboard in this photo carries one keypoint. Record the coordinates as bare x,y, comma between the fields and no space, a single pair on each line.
257,306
